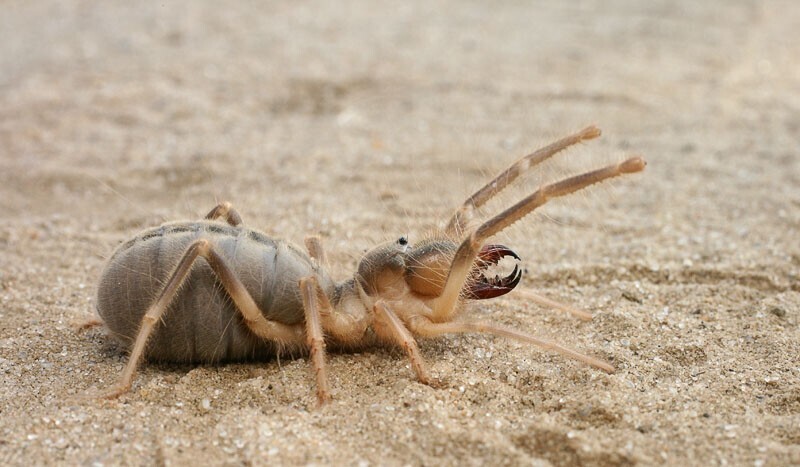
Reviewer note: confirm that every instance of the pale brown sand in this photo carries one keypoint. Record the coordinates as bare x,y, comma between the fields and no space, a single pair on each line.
365,121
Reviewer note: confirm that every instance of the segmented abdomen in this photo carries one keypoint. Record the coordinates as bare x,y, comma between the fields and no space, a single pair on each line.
202,324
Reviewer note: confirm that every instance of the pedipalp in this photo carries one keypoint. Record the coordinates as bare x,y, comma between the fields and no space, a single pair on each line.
465,255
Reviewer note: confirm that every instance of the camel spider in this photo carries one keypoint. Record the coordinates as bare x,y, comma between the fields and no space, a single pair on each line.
212,290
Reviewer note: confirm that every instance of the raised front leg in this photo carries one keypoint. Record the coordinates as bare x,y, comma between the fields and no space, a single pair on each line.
279,333
458,223
467,251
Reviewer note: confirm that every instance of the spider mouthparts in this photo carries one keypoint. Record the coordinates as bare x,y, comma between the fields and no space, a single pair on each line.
492,254
481,287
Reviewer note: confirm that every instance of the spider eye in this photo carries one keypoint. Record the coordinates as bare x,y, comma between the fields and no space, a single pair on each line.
402,241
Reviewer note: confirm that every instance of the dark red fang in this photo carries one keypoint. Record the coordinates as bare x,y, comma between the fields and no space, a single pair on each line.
480,287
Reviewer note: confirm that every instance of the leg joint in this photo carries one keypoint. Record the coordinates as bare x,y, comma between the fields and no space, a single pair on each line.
314,342
203,246
149,319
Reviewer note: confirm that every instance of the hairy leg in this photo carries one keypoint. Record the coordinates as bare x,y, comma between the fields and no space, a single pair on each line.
227,211
465,255
314,247
395,331
544,301
315,339
458,223
423,327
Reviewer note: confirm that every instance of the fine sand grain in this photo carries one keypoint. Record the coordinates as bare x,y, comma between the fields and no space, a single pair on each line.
364,121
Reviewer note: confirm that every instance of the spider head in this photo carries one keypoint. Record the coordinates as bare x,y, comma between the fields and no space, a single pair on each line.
429,264
424,268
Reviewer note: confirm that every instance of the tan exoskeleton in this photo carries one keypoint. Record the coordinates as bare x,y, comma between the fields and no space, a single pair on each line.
252,297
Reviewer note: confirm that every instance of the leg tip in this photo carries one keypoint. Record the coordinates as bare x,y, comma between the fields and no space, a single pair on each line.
590,132
323,400
634,164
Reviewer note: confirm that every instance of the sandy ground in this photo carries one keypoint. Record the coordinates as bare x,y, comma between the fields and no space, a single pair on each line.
367,121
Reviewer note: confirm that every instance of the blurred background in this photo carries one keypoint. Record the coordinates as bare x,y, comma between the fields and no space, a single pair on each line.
364,121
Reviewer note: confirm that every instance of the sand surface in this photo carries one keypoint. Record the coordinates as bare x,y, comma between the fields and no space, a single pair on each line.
364,121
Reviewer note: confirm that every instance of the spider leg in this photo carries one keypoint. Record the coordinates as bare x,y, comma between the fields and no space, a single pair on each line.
458,223
395,331
423,327
538,299
315,250
314,336
460,267
226,210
